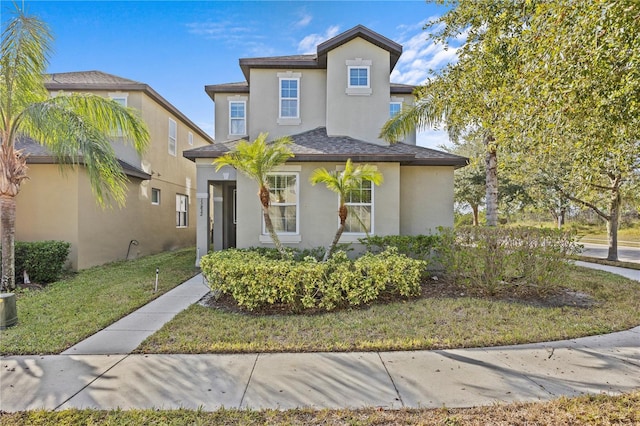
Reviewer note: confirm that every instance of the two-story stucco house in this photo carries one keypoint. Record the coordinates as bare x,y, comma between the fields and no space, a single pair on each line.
332,104
159,213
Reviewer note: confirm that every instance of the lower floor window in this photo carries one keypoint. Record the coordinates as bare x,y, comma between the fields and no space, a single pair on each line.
182,212
359,204
283,209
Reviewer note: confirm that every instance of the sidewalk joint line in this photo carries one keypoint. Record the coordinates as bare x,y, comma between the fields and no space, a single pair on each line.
392,381
91,382
244,393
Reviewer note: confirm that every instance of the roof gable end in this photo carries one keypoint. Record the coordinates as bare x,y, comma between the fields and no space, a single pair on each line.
394,49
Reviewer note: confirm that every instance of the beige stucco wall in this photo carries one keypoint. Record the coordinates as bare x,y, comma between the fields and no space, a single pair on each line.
358,116
265,102
46,207
318,208
221,119
427,199
102,235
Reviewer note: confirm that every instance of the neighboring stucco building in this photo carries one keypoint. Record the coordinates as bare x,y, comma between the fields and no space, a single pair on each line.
332,104
159,213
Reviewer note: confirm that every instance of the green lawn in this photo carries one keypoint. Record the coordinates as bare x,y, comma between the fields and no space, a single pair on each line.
66,312
428,323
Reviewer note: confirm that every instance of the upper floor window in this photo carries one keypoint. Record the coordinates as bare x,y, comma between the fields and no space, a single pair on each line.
283,209
120,98
359,76
289,97
173,137
359,202
237,118
394,108
190,138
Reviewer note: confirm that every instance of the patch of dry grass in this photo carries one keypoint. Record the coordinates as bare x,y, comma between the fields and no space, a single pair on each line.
585,410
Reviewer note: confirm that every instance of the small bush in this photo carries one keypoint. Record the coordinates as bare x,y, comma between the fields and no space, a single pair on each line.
43,260
256,281
415,246
494,260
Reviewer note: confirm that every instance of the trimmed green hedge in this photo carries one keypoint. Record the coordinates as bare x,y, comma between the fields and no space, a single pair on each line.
44,261
257,281
415,246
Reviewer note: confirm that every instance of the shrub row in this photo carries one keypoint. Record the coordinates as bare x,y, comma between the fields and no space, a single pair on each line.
44,261
491,260
415,246
256,281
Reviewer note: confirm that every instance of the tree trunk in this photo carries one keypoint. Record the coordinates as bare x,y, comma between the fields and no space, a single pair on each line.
491,163
342,214
334,243
274,236
263,194
613,222
8,223
474,209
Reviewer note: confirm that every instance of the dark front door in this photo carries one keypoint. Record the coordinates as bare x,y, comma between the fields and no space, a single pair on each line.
230,216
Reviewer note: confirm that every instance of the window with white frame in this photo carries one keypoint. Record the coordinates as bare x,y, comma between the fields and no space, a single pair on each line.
289,97
173,137
120,98
359,77
190,138
237,118
283,209
359,204
155,196
182,211
394,108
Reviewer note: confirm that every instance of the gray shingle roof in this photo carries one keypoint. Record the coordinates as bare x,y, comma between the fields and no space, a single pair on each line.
94,78
81,81
316,145
39,154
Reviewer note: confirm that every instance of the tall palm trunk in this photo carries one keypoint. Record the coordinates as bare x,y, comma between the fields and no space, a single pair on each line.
8,220
13,170
263,193
342,213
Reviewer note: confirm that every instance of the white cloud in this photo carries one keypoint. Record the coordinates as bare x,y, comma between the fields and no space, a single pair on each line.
223,30
420,55
303,21
433,139
308,44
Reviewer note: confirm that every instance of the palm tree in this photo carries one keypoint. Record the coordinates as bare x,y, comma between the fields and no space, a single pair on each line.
256,160
343,183
76,128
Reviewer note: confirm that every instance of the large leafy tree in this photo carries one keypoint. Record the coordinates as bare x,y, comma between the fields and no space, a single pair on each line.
77,129
473,95
580,93
256,160
344,183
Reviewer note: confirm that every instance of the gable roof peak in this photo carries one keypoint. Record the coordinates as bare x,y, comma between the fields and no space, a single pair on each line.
394,49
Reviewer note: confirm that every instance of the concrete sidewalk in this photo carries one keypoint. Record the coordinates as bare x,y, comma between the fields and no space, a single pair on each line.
92,374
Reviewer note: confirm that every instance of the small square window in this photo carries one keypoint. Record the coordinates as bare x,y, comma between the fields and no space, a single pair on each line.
358,76
155,196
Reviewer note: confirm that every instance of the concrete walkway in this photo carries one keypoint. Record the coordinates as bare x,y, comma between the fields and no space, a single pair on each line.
100,373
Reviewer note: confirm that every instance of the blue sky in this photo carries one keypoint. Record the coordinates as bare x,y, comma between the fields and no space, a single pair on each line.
178,47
